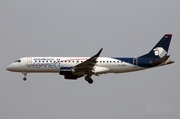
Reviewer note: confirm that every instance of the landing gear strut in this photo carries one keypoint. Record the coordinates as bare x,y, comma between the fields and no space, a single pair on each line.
88,79
25,74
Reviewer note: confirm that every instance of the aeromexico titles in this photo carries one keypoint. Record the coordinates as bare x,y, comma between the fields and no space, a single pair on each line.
73,68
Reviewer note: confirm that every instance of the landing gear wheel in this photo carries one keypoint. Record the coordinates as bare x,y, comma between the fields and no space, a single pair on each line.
24,79
88,79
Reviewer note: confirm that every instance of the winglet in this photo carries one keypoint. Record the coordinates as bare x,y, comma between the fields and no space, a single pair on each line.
97,55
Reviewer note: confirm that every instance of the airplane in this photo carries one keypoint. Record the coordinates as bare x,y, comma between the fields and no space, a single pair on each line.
73,68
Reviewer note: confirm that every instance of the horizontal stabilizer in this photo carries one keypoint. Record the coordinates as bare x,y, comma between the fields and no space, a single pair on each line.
161,60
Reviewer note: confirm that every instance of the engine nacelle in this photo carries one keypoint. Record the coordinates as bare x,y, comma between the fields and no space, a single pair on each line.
66,71
71,77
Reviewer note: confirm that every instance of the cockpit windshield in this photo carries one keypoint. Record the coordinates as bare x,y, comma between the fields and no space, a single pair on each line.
17,61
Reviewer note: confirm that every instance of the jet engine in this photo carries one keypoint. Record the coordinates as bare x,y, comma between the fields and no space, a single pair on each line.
71,77
66,71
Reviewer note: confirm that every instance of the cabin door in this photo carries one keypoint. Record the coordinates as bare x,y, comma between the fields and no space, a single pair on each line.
29,61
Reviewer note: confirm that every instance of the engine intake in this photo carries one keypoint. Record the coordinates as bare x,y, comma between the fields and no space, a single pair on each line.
66,71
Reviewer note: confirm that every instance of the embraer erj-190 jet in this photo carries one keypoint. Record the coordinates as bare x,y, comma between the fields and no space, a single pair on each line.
73,68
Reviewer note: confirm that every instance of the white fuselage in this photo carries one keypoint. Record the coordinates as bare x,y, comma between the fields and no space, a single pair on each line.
53,64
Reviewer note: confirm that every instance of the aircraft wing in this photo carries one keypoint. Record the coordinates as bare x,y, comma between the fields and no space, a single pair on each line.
87,66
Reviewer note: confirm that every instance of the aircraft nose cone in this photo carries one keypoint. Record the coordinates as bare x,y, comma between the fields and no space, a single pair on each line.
8,68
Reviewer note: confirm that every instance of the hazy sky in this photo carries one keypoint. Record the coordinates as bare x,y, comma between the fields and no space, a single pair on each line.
126,28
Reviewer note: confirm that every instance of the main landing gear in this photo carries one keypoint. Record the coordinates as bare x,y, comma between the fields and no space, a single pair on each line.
88,79
25,74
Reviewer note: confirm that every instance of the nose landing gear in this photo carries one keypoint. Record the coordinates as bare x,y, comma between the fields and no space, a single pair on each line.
25,74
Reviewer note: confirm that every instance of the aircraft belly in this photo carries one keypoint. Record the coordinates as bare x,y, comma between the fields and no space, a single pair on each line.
123,69
100,70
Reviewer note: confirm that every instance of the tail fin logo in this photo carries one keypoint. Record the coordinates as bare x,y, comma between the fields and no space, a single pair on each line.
159,51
